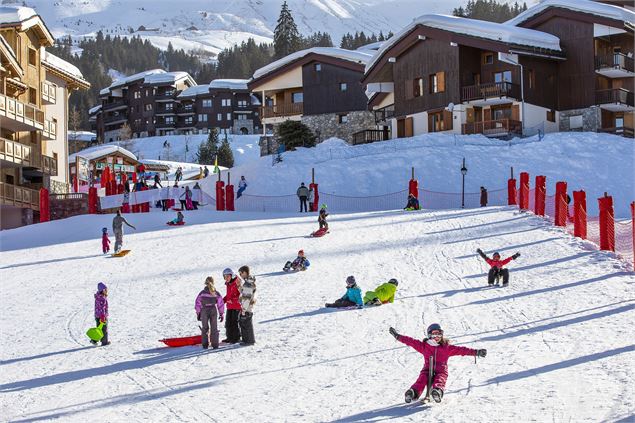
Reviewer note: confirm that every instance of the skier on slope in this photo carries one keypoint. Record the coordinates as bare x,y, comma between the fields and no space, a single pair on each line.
437,346
497,266
352,297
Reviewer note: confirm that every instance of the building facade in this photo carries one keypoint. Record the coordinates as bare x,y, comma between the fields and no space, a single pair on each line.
33,115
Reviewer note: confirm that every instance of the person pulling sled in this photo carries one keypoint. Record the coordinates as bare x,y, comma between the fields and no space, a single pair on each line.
497,271
352,297
299,264
436,350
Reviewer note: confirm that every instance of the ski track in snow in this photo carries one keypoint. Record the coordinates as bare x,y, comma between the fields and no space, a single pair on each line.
557,335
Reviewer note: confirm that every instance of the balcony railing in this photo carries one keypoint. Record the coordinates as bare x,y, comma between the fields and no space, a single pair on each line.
282,110
50,129
494,89
614,96
493,128
624,131
24,114
48,165
114,106
27,156
49,91
384,114
370,135
185,110
115,118
14,195
615,61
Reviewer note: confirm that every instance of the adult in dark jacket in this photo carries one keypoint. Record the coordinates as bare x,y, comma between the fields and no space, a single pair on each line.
247,300
483,197
209,306
232,303
497,266
303,194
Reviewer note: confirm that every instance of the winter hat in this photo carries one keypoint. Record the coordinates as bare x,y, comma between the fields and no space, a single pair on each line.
393,281
434,327
104,230
228,271
101,287
350,281
300,252
496,254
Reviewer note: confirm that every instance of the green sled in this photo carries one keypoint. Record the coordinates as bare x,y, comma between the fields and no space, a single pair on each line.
95,334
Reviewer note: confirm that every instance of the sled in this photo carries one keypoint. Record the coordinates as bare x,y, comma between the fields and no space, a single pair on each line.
411,209
188,204
320,232
170,223
182,342
121,253
175,209
95,334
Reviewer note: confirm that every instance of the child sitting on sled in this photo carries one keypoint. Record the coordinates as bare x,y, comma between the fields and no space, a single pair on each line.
413,203
439,348
352,297
496,267
299,264
178,220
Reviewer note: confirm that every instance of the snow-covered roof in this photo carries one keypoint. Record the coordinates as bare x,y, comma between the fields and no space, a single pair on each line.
585,6
339,53
474,28
372,46
63,66
94,110
13,14
232,84
82,136
152,76
255,101
92,153
11,57
194,91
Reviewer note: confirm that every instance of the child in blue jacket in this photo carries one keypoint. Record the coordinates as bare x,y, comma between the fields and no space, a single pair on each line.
353,296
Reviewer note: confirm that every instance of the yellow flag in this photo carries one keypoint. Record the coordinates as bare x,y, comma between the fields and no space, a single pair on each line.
216,169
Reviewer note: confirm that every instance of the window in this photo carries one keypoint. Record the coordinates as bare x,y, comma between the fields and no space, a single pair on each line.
297,98
229,116
137,122
242,103
417,87
318,67
32,95
55,157
342,118
219,116
241,117
532,79
202,118
148,107
147,92
435,122
189,120
505,76
437,82
551,115
343,86
32,57
137,94
488,58
169,119
226,102
207,103
502,113
169,107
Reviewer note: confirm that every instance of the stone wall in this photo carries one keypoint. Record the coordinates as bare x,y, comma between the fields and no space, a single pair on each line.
327,125
591,119
66,205
245,123
57,187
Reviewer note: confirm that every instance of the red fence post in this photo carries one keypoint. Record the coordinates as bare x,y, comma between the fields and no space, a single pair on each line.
413,188
220,195
579,214
316,196
607,223
511,192
92,200
45,215
560,219
540,195
524,191
229,197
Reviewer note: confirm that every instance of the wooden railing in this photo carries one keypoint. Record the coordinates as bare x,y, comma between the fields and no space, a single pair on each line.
370,135
283,109
15,152
615,61
48,92
498,127
494,89
614,95
17,196
384,114
21,112
114,105
624,131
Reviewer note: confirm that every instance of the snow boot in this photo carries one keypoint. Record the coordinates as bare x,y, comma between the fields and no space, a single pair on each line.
437,394
410,395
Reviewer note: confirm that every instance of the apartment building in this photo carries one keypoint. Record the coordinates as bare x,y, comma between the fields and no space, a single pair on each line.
34,89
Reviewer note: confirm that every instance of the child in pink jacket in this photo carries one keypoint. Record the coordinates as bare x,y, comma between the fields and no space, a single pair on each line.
105,241
439,348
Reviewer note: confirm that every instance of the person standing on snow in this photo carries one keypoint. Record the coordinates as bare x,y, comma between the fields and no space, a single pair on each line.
209,306
247,300
232,301
322,218
117,228
437,346
302,193
101,311
483,197
496,266
105,241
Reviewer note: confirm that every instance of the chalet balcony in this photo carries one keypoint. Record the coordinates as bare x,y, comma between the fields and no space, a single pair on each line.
492,93
115,119
49,92
384,114
616,65
49,132
165,96
164,111
493,128
370,135
165,124
624,131
17,116
115,105
16,154
282,110
615,100
186,110
17,196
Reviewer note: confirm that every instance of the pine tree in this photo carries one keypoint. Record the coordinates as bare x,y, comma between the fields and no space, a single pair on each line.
294,134
225,154
286,38
208,149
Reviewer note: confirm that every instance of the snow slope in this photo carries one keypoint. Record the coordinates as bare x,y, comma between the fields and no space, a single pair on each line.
559,338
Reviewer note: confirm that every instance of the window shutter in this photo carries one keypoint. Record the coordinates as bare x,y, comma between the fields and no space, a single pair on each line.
447,120
441,81
515,112
409,129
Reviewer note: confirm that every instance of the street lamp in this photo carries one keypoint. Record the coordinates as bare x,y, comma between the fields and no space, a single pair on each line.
463,172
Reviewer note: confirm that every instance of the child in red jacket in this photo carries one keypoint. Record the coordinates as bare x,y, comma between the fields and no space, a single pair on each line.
439,348
497,267
232,305
105,241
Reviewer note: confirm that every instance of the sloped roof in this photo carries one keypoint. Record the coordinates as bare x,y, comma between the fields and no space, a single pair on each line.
194,91
152,76
231,84
94,110
25,18
585,6
66,69
97,151
11,57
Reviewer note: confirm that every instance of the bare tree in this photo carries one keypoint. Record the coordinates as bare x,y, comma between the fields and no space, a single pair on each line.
74,121
125,136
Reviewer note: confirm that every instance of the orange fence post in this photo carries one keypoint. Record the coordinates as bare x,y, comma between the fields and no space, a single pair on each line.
579,214
560,219
511,192
540,195
524,191
607,223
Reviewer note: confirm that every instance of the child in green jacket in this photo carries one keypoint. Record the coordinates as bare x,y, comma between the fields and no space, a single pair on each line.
384,293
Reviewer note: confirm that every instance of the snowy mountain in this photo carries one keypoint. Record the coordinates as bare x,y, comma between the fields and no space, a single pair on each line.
214,25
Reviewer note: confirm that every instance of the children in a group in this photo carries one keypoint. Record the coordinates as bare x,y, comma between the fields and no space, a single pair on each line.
232,302
178,220
384,293
439,348
209,306
352,297
105,241
101,311
247,300
496,267
299,264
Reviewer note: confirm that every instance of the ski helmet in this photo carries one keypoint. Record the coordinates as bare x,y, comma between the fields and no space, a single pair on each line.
228,271
496,254
434,327
393,281
350,281
101,287
104,230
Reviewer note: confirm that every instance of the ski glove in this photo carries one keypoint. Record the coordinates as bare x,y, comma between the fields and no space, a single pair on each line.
198,316
515,256
393,332
478,250
481,352
220,317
